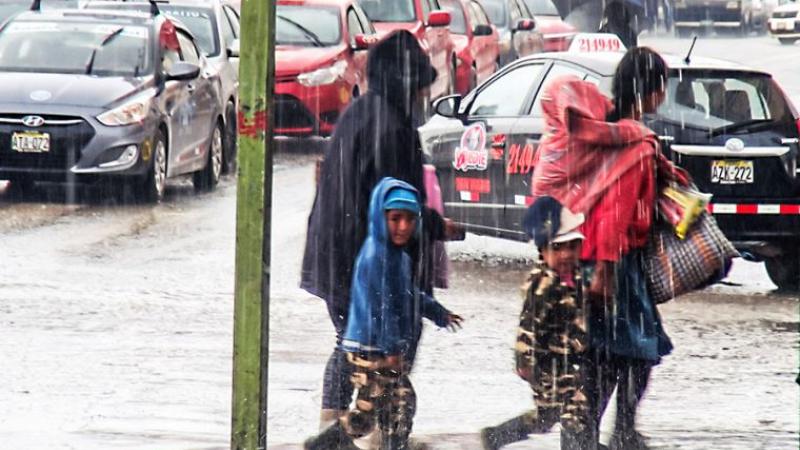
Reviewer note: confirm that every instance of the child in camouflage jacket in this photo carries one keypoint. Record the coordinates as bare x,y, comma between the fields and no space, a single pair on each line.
552,337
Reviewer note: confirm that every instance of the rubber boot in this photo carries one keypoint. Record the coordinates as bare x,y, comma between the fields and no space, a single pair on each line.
332,438
510,431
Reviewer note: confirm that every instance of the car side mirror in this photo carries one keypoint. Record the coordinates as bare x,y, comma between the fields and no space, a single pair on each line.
526,25
482,30
439,19
448,106
183,71
233,49
364,41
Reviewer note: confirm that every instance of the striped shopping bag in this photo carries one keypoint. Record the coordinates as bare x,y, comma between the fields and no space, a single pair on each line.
676,266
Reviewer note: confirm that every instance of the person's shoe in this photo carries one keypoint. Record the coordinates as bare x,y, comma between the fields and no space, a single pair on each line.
332,438
514,430
627,441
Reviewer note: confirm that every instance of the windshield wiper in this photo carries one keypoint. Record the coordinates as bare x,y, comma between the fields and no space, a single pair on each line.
106,40
308,33
739,127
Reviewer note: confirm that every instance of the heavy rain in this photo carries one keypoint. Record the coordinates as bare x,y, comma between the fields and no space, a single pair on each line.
118,311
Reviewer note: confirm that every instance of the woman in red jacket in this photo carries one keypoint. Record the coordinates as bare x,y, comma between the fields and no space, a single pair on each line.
599,159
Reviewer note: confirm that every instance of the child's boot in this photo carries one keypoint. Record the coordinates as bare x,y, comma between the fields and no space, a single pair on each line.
514,430
332,438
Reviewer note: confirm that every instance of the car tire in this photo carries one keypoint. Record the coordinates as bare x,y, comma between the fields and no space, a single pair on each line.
784,271
787,41
231,142
21,189
151,190
207,178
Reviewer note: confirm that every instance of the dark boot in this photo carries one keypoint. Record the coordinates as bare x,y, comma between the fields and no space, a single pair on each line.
510,431
332,438
627,440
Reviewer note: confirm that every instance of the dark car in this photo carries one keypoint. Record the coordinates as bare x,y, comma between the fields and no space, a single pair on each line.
98,95
215,27
517,29
730,126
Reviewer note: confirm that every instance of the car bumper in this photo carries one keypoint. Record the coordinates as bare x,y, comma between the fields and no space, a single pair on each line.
82,150
308,111
784,27
777,220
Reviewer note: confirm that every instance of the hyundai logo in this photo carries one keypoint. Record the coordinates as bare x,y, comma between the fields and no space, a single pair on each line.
32,121
734,145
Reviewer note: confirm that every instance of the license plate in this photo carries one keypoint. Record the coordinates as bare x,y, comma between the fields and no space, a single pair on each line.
732,172
781,26
30,142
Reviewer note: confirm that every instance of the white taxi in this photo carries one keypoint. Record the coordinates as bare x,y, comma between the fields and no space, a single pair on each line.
785,23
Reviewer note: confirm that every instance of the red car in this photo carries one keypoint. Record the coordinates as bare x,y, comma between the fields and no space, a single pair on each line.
476,43
321,60
557,33
426,20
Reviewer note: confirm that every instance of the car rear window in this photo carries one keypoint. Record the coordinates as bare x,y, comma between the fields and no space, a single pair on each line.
74,47
458,24
542,7
496,9
712,100
307,26
389,10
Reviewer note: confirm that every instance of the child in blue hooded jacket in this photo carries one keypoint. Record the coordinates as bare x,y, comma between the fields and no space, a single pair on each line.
384,323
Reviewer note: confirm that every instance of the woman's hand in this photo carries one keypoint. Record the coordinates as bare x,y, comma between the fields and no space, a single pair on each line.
601,288
454,322
453,231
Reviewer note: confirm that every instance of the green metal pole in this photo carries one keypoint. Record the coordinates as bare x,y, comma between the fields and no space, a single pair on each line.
253,223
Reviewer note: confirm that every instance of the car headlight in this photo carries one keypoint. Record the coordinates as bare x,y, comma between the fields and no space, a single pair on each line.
326,75
131,112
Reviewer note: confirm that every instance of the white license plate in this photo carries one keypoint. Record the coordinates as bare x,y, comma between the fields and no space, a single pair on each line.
30,142
781,26
732,172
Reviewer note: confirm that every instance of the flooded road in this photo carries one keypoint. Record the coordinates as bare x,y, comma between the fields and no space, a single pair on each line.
116,324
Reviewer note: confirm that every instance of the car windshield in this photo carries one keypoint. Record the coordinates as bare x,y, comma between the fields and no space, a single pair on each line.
709,100
542,7
389,10
71,47
457,22
307,26
496,9
199,20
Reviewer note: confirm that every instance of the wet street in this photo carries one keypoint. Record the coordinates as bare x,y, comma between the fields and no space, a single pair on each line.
116,326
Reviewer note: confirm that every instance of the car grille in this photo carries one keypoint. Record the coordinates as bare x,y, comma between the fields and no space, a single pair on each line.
700,13
290,113
68,136
784,14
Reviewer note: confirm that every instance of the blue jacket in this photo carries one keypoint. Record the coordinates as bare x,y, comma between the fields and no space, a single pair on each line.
386,309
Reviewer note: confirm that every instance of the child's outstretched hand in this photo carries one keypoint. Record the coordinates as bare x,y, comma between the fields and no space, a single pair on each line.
454,322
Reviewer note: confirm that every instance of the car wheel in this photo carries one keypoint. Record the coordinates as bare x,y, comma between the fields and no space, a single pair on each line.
787,41
784,271
453,77
155,183
21,189
231,143
207,178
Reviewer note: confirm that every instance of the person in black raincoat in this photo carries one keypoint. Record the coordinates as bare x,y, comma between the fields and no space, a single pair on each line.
376,137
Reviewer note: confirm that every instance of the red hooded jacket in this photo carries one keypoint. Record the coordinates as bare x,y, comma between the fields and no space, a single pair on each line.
606,170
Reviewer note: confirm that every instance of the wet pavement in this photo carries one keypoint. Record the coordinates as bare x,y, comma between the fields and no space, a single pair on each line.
116,330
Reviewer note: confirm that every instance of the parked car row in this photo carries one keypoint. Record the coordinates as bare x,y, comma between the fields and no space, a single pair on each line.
321,48
130,92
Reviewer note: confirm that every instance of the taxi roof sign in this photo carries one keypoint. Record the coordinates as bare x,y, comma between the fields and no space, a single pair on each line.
596,43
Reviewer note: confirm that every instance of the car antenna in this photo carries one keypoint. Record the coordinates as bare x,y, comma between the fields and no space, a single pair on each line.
153,8
688,58
36,5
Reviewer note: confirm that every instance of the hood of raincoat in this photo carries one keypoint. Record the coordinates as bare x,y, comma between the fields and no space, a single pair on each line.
398,68
381,317
582,154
